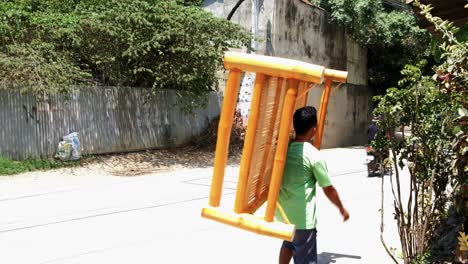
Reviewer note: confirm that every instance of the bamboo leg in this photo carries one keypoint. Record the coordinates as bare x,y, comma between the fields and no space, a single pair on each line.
282,149
224,134
249,144
322,113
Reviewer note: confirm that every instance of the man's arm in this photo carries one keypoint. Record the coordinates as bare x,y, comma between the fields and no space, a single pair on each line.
333,196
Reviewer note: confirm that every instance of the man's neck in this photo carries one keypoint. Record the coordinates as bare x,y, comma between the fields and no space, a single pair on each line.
301,139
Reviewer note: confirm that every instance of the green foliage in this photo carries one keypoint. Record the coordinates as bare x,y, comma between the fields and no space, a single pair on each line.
190,2
452,79
419,105
423,259
163,45
38,68
148,43
371,24
392,37
436,152
10,167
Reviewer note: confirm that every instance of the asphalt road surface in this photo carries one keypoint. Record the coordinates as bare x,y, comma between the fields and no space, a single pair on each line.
85,215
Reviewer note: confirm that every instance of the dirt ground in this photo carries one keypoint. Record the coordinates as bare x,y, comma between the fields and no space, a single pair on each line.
198,153
150,161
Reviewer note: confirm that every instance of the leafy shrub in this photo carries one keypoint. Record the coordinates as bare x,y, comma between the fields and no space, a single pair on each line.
45,46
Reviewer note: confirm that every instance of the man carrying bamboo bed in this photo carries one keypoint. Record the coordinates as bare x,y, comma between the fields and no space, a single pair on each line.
303,170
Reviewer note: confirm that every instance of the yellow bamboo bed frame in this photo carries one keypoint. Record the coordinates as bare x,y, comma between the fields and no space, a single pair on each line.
281,86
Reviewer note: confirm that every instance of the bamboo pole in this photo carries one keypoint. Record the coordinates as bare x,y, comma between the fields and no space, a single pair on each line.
249,144
282,148
322,113
273,66
224,134
251,223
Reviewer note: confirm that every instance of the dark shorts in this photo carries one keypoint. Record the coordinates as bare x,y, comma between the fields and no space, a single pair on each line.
304,246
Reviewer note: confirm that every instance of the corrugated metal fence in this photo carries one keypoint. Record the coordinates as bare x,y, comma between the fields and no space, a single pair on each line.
108,119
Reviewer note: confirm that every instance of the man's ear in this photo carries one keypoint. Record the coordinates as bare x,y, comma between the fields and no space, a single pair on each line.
313,131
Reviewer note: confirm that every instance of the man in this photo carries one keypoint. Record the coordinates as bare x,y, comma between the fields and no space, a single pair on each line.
304,168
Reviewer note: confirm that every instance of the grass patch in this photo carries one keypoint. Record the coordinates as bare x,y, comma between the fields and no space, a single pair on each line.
10,167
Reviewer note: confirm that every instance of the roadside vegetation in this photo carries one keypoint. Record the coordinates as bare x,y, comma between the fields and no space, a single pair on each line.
11,167
49,46
433,218
422,80
390,34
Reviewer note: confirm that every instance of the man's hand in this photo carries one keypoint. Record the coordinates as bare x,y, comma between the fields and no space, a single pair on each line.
333,196
345,214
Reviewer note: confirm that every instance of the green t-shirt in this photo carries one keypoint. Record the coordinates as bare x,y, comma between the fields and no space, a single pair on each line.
304,168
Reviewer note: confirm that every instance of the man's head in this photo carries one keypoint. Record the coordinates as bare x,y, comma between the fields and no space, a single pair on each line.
305,121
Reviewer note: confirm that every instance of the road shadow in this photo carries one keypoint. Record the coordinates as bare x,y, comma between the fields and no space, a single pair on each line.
329,257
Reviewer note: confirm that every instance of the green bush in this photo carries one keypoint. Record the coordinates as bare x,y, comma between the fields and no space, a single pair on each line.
45,46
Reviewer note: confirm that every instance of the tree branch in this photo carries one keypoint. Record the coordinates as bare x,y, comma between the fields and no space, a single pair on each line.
382,221
234,9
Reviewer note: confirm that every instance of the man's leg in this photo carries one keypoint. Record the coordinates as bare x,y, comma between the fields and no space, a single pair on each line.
285,255
286,252
305,245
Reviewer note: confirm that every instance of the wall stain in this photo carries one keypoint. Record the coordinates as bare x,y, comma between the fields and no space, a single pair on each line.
291,12
307,48
270,50
30,114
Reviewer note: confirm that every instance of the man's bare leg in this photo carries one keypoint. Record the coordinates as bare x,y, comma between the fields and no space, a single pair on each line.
285,255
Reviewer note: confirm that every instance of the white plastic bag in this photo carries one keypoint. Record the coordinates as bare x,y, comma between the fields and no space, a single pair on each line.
73,139
64,151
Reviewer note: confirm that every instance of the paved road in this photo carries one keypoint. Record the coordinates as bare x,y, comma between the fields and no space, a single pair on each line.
83,216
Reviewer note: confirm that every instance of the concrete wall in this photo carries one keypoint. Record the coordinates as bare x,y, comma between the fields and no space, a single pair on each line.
296,30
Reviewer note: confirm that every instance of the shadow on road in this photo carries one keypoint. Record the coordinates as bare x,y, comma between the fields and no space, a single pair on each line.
328,257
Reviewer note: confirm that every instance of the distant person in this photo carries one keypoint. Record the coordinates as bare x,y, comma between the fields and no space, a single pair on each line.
372,166
372,131
303,170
